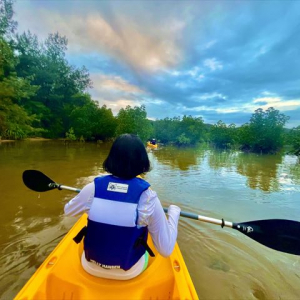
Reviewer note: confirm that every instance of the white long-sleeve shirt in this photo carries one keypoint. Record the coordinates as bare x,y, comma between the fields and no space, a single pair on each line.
163,231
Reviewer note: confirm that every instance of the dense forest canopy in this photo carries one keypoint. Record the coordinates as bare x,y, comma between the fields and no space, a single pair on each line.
41,94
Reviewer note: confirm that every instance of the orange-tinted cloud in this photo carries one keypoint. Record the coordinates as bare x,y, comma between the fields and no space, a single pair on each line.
143,48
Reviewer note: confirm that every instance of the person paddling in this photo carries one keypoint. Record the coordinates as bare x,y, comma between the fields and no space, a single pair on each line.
122,209
153,141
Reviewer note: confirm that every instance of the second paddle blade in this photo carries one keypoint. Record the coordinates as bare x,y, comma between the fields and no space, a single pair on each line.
278,234
38,181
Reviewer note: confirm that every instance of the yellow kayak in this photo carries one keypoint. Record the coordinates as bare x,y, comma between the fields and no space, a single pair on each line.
151,145
62,277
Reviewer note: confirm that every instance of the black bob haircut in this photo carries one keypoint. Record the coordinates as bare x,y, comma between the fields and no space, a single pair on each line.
127,157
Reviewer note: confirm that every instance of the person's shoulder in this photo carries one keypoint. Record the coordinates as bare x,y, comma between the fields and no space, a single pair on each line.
147,204
89,187
102,176
141,182
90,184
149,193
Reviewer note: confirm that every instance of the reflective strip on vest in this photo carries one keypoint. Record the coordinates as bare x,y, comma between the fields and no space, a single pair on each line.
112,238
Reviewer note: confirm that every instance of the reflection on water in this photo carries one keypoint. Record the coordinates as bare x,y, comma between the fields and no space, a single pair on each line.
222,159
260,170
235,186
293,174
181,158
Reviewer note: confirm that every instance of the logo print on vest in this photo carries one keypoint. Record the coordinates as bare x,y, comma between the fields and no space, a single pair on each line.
117,187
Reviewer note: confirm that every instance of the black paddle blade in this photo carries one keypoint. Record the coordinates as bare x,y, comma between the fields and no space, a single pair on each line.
38,181
281,235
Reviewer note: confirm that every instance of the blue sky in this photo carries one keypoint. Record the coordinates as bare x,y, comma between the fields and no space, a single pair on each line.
219,60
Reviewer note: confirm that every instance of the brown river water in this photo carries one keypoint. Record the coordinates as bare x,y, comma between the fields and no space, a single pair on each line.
223,263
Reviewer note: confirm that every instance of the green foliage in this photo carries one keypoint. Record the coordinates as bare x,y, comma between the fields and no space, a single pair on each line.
70,135
60,84
15,122
264,133
183,140
192,128
245,137
166,130
93,122
294,140
7,24
134,120
185,131
223,136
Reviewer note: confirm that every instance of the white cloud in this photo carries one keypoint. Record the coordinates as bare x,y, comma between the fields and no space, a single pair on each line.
200,77
116,105
154,101
209,44
267,93
206,96
263,102
194,72
276,102
213,64
267,100
182,84
204,108
174,73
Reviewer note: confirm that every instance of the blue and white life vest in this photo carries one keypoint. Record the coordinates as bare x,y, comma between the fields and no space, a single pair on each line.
113,239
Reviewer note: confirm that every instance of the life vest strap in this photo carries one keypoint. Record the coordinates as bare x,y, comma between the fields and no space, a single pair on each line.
144,243
77,239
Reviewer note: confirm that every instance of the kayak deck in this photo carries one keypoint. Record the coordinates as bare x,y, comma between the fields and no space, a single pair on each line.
62,277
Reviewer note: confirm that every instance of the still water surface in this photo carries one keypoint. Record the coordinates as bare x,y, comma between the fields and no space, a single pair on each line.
223,263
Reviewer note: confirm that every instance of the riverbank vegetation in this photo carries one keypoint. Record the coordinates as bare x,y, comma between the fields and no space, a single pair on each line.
42,95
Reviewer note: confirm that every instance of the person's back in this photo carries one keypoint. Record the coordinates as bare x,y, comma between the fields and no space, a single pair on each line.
122,209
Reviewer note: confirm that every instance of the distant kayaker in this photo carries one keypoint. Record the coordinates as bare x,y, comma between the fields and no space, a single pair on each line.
153,141
121,210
